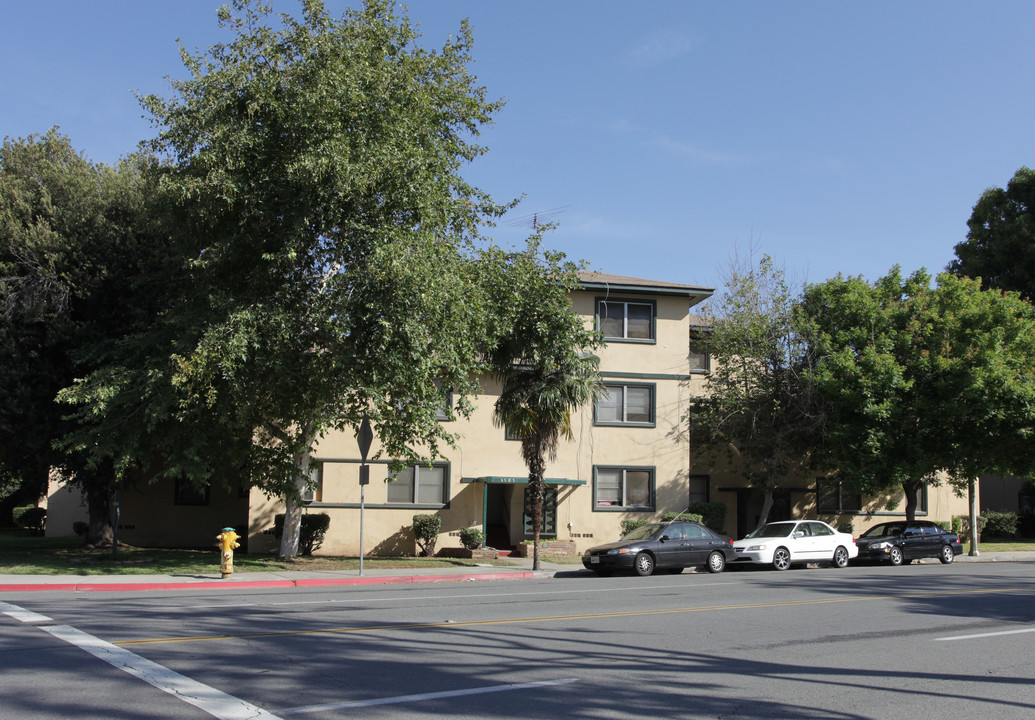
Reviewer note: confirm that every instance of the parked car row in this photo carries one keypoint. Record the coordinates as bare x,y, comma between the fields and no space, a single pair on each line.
674,546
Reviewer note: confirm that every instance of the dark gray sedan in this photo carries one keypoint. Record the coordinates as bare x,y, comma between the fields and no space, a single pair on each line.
670,546
902,542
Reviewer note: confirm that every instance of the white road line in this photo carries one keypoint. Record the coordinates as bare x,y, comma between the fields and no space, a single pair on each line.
984,635
215,702
424,696
25,616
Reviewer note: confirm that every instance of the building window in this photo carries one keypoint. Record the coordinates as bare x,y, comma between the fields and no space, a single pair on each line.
834,497
314,490
419,485
616,488
699,357
698,489
625,320
187,493
625,405
443,411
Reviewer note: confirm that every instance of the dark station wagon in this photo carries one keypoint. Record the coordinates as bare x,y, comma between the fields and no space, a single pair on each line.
902,542
669,546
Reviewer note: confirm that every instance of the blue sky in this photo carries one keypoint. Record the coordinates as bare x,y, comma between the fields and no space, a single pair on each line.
664,135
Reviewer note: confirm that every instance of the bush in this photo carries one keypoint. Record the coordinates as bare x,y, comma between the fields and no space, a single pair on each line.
629,525
426,529
999,524
713,515
472,538
685,516
961,526
80,528
34,519
310,534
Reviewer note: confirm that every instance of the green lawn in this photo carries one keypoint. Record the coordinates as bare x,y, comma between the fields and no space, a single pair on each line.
23,554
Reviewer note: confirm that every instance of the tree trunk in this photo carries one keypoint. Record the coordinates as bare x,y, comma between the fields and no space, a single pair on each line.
293,507
537,471
912,488
767,505
973,512
98,504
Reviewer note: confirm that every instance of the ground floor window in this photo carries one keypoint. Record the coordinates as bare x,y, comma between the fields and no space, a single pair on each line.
698,489
187,493
419,485
833,496
617,488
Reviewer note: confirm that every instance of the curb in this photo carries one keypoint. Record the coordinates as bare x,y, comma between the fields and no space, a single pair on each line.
252,584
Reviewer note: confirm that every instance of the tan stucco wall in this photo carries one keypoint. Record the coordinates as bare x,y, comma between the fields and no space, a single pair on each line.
484,451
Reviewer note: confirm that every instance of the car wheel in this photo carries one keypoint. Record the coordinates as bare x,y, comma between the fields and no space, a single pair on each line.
840,558
644,564
781,559
895,556
947,555
716,562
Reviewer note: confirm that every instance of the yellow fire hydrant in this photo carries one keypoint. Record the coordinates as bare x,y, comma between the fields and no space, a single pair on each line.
227,542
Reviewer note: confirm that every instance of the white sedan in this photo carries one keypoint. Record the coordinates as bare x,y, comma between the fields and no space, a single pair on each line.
796,541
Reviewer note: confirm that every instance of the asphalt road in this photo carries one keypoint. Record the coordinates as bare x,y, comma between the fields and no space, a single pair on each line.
915,642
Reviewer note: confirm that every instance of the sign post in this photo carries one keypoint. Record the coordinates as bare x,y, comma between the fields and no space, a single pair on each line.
364,436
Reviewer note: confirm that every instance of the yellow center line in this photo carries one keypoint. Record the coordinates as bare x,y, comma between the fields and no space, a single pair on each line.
554,618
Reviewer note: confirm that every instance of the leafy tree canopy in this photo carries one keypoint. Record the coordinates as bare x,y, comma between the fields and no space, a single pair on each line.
77,248
919,379
1000,245
756,406
313,182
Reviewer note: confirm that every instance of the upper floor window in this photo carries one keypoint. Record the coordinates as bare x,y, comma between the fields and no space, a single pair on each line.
419,485
699,357
626,319
621,404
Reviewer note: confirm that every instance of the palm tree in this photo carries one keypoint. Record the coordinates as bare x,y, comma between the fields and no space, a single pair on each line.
542,358
536,404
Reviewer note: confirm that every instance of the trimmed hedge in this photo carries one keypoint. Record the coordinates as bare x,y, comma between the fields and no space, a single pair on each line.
426,529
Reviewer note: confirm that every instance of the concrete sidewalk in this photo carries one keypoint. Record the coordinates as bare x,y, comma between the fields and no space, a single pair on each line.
520,570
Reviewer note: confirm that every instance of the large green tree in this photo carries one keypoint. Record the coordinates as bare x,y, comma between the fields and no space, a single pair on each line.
921,379
314,182
1000,244
542,359
756,407
76,244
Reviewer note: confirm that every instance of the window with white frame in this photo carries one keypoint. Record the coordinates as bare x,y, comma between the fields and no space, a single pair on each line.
618,488
625,319
419,485
625,404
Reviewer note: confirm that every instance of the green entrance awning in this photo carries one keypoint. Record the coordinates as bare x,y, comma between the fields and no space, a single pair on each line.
499,480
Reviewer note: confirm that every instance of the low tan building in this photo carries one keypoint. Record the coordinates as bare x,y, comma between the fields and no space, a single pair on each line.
630,458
